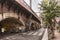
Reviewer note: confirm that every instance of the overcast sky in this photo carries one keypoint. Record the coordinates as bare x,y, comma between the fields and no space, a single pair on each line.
34,5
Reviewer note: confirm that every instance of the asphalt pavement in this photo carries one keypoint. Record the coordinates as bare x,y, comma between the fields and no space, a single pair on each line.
31,35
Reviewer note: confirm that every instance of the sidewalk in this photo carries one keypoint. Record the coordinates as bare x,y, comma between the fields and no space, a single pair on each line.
57,36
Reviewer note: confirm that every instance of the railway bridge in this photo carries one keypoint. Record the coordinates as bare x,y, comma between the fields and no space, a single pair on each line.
18,9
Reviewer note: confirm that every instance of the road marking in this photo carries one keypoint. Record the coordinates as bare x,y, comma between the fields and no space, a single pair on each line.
30,33
24,33
13,38
39,34
7,38
35,33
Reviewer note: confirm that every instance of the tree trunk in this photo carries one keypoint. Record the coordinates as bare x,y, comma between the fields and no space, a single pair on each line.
53,27
52,31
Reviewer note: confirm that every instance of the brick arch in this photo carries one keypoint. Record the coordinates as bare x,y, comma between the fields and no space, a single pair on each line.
10,23
34,25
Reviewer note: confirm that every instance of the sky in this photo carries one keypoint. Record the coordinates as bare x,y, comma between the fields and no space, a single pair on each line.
34,5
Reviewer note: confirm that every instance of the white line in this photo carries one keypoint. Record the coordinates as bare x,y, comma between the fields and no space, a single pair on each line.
13,38
30,33
24,33
35,33
7,38
40,34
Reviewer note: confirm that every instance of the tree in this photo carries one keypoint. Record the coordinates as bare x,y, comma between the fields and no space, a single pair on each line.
50,10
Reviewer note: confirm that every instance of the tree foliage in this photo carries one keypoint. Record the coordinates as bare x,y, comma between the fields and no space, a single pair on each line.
50,9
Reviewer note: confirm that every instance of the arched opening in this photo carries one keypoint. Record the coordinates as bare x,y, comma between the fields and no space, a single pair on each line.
35,26
10,25
32,26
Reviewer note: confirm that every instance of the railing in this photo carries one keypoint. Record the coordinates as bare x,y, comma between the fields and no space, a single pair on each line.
24,4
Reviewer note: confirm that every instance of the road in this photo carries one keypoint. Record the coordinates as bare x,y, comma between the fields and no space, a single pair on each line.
32,35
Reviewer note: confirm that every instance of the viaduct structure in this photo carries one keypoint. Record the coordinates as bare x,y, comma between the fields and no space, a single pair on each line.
20,10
